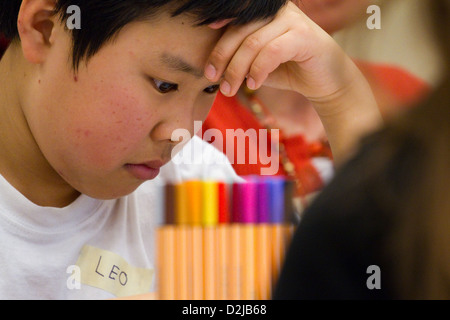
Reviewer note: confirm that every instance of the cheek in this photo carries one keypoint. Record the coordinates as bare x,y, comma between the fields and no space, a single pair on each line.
128,117
116,126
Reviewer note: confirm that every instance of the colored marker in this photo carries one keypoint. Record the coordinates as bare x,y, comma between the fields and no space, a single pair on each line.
181,209
248,218
210,256
262,244
276,215
166,262
194,241
223,241
182,264
197,262
213,248
182,275
165,236
194,201
236,250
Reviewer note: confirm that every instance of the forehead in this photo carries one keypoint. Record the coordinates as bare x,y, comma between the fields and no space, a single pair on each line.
177,41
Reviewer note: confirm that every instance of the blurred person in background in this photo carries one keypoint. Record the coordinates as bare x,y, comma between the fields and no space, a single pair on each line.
302,145
400,59
334,15
381,228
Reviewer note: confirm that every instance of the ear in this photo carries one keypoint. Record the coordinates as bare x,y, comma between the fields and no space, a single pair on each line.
35,24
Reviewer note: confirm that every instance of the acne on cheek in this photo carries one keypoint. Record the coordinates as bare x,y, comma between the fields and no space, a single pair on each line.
130,119
120,120
81,132
128,109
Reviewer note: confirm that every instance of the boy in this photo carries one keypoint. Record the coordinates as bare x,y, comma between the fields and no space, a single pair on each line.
87,117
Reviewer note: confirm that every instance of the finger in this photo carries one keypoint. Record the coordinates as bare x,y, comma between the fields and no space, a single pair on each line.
239,66
280,50
226,47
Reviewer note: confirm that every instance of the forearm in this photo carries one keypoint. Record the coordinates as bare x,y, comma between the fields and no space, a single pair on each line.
348,115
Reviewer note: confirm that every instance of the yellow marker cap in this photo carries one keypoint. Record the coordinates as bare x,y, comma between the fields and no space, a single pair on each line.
210,210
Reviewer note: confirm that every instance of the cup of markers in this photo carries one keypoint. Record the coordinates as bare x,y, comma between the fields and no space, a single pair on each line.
222,241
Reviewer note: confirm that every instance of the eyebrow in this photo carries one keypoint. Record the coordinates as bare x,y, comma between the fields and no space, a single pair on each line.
179,64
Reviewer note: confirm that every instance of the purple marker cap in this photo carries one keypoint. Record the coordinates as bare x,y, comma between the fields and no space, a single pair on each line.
263,201
276,187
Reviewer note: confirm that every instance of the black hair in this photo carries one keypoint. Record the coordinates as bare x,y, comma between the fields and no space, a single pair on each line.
103,19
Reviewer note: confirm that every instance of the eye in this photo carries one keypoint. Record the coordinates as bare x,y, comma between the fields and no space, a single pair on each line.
212,89
165,87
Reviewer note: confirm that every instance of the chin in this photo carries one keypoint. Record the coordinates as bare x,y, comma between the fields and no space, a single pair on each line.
108,193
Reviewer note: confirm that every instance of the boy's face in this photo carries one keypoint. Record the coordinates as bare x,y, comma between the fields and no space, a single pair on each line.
108,128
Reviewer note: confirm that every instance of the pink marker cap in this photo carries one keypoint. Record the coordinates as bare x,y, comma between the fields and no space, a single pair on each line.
248,198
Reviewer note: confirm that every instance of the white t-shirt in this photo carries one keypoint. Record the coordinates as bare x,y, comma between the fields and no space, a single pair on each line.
108,246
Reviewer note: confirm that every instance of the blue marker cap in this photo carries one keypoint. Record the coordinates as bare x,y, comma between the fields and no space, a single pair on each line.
276,204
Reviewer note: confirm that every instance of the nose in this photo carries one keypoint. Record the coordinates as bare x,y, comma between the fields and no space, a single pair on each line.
177,119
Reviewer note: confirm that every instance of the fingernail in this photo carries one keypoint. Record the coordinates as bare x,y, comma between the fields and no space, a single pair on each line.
210,72
251,84
225,88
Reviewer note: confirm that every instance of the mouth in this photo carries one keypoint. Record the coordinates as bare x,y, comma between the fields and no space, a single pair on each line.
145,171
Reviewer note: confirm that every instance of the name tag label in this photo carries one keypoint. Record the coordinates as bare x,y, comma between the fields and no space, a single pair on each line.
109,271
